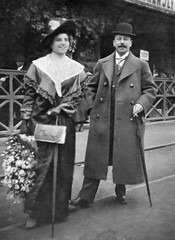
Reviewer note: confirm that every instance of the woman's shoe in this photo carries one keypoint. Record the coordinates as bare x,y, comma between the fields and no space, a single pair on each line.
31,223
78,202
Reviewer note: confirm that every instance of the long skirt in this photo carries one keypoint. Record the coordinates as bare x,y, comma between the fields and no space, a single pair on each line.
38,202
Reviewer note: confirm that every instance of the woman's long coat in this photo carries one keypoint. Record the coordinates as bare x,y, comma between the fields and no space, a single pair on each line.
40,97
135,85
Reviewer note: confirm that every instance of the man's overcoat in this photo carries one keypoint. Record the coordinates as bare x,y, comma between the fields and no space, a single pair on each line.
135,85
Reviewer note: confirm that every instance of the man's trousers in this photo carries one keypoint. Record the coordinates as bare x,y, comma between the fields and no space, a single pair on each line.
90,187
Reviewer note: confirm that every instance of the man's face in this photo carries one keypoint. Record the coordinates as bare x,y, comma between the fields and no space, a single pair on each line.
122,43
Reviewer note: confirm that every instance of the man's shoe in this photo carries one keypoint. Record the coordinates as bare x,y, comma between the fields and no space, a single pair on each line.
31,223
122,200
78,202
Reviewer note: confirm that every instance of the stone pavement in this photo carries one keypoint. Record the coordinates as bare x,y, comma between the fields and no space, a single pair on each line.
107,220
157,135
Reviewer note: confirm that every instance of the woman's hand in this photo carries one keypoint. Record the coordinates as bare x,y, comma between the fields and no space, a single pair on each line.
54,111
28,141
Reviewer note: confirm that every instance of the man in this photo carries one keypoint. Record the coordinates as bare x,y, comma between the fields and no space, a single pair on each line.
19,62
121,89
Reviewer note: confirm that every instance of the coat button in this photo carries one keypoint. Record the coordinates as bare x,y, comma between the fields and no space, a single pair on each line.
97,116
131,119
132,102
105,84
132,85
101,99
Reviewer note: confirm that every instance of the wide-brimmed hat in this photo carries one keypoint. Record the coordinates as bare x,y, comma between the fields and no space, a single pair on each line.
57,26
124,29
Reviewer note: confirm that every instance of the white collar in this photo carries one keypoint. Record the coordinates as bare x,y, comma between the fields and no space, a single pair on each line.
117,56
58,69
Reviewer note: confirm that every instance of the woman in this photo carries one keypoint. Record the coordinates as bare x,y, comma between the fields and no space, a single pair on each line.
48,81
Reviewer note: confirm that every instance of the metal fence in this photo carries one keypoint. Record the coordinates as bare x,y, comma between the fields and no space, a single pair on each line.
11,97
12,94
164,106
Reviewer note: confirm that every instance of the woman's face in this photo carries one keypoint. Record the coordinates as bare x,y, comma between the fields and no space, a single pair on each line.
60,44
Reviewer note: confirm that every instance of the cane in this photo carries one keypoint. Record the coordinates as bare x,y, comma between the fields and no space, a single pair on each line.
143,158
55,163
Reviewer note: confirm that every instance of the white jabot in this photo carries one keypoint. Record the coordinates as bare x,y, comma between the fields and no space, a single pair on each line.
58,69
120,59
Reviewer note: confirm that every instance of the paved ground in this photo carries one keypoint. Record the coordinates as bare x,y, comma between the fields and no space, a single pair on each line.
157,134
107,220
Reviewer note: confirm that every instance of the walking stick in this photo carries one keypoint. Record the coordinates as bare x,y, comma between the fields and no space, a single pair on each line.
61,140
55,163
143,158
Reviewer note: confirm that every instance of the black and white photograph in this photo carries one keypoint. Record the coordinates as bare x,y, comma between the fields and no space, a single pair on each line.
87,119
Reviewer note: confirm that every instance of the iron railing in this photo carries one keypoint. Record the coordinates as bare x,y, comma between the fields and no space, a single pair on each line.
164,106
12,95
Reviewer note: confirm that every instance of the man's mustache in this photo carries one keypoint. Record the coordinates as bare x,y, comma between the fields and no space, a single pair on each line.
122,46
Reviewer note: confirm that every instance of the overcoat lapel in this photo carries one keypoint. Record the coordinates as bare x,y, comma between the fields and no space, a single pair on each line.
129,67
108,67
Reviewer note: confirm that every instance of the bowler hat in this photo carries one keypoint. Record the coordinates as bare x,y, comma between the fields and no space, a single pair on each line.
57,26
124,29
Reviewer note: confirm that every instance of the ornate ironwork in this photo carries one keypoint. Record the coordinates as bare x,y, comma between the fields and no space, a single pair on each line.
12,95
164,105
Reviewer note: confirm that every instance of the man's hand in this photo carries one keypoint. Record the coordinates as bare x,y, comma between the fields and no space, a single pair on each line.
137,109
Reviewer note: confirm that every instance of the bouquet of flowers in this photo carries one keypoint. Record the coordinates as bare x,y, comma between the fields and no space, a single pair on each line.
19,168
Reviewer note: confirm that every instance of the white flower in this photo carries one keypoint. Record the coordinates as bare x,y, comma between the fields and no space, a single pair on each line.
23,165
9,185
11,159
30,159
23,189
17,186
18,166
22,172
18,163
9,147
8,169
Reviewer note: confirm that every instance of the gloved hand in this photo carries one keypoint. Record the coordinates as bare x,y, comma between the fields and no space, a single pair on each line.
54,111
137,109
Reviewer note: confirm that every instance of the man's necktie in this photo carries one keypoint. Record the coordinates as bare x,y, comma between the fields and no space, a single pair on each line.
120,60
